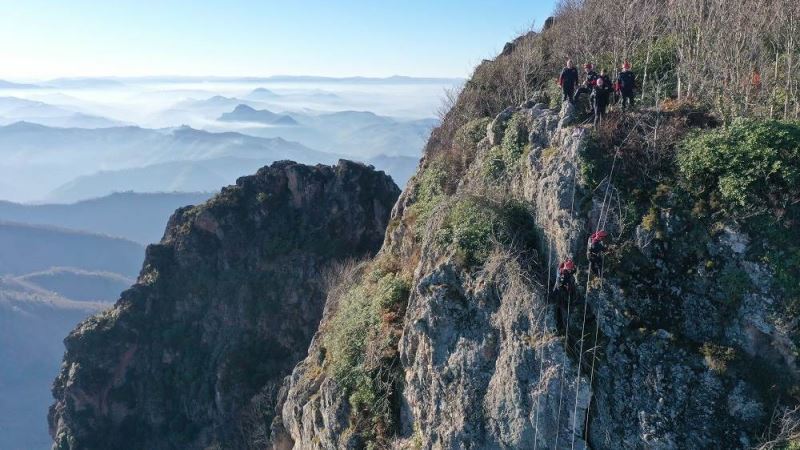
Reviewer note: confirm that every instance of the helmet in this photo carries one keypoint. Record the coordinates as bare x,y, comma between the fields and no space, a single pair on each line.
588,66
598,236
600,81
626,65
567,266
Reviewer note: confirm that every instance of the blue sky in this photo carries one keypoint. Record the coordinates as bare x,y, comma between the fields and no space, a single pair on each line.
43,39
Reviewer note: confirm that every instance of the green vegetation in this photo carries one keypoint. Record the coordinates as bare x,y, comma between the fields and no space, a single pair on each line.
442,174
502,158
430,191
360,346
752,165
357,319
468,136
473,224
717,357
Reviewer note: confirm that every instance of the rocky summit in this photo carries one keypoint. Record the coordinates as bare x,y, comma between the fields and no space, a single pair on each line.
225,305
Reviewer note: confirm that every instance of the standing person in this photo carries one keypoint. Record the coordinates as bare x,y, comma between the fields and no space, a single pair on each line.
601,94
568,80
589,82
625,85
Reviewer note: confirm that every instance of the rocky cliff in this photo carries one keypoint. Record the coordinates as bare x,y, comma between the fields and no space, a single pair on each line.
685,336
688,335
226,304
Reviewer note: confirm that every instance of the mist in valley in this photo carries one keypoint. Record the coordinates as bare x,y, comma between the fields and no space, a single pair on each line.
92,169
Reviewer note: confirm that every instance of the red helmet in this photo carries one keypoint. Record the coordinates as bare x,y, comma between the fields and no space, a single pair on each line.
566,266
598,236
588,66
626,65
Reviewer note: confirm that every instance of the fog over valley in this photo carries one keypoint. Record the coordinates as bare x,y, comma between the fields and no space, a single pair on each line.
91,169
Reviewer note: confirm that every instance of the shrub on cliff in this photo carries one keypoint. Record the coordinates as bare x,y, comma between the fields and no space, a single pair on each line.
752,165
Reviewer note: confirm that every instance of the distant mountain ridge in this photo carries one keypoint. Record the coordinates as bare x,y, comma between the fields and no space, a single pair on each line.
136,216
27,150
116,81
79,285
245,113
30,248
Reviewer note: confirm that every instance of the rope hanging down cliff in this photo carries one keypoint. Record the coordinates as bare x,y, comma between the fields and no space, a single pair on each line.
541,351
566,333
585,306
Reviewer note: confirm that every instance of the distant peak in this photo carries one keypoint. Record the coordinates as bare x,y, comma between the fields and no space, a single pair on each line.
243,108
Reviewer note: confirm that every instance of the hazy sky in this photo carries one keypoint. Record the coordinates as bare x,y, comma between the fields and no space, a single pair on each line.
44,39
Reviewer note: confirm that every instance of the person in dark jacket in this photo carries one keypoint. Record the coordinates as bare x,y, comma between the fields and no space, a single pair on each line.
600,98
568,80
625,85
596,249
589,82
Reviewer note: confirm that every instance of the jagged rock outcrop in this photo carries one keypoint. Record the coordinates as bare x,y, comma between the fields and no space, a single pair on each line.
226,304
687,342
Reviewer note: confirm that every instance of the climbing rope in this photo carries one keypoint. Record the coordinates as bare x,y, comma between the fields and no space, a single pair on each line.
566,329
586,308
594,351
541,350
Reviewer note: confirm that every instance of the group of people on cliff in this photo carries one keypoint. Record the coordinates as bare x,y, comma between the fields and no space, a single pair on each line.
599,87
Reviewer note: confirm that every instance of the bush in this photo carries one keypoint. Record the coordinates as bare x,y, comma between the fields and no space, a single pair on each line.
356,321
431,183
514,145
473,224
360,348
752,165
718,357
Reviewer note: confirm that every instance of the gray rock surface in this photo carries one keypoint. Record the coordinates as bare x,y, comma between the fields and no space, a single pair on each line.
192,356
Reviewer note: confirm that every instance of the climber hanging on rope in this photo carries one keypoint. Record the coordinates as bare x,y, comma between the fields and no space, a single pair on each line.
625,85
568,80
565,289
595,251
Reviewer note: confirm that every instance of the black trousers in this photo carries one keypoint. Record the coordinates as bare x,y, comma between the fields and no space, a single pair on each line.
626,98
599,112
568,93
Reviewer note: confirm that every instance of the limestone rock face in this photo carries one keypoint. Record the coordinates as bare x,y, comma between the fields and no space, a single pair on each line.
485,362
193,354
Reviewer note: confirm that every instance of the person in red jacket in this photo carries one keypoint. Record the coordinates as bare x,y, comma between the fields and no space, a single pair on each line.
568,80
595,251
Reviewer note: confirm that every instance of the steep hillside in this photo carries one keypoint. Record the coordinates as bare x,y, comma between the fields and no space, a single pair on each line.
684,336
449,335
222,310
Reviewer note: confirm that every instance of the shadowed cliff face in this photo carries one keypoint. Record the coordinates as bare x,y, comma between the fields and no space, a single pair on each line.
224,307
